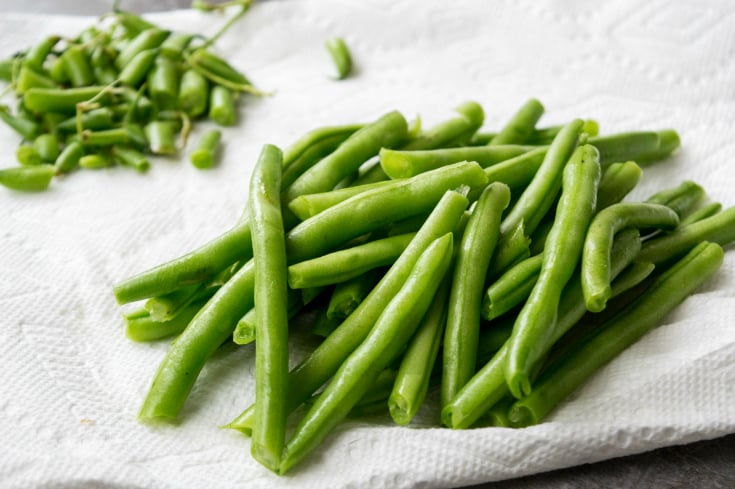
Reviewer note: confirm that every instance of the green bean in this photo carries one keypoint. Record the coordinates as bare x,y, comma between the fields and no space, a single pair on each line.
412,380
349,294
625,328
197,266
36,56
703,212
521,125
321,364
212,325
625,146
463,311
720,228
541,192
222,106
27,178
193,93
681,199
206,152
270,296
219,71
141,107
132,23
488,386
596,253
515,248
405,198
511,288
348,263
560,257
93,162
76,65
617,181
471,116
668,142
341,56
58,99
404,164
313,138
69,157
28,155
309,205
149,38
27,128
30,78
161,137
392,330
142,327
136,71
131,157
47,146
7,69
389,130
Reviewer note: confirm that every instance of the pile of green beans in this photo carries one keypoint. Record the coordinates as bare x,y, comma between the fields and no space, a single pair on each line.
120,91
491,267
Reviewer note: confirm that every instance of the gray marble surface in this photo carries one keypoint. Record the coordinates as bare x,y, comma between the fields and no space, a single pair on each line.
707,464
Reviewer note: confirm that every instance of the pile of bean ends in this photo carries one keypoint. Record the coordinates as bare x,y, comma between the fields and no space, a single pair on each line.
502,269
119,91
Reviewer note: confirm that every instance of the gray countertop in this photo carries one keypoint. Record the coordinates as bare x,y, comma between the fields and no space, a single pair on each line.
705,464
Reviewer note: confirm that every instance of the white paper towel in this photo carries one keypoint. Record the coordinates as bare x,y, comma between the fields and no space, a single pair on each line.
73,383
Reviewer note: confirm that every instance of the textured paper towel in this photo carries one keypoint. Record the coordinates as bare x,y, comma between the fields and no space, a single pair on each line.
72,383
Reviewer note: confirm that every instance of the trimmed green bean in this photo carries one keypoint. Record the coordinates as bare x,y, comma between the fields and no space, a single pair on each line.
97,119
389,130
471,116
625,328
175,44
324,361
669,142
521,125
313,138
30,78
617,181
163,84
219,71
681,199
625,146
27,178
27,128
392,331
404,164
341,56
206,152
36,56
412,380
560,257
547,134
244,332
270,297
463,311
309,205
596,253
105,137
405,198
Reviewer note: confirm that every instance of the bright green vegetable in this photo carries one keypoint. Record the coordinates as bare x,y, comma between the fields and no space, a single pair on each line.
27,178
521,125
205,153
341,56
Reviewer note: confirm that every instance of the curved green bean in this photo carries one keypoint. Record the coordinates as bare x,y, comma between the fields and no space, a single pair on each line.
341,56
463,312
27,178
520,127
560,257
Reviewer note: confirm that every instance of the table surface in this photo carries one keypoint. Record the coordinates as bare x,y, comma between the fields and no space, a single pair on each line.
705,464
